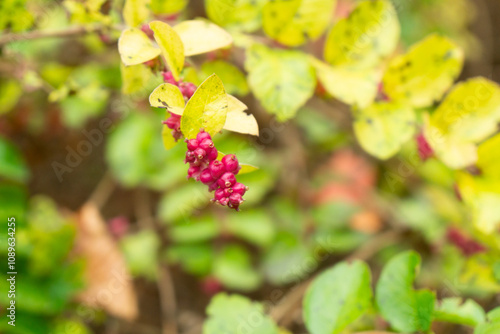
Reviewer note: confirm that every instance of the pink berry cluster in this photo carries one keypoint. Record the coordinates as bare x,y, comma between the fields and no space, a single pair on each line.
219,176
187,89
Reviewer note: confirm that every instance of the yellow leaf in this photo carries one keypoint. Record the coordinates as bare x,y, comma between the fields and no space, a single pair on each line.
134,78
135,12
425,72
489,158
237,120
482,196
135,47
170,45
369,33
384,127
206,109
167,96
294,22
353,87
202,36
467,115
245,169
167,138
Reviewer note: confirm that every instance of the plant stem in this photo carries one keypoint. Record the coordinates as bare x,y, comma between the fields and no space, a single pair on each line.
70,32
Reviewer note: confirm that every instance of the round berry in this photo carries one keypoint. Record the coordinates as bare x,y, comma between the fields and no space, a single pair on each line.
239,188
212,154
206,176
219,194
192,144
202,135
213,186
226,180
235,199
231,163
200,153
190,157
224,201
192,171
216,169
207,144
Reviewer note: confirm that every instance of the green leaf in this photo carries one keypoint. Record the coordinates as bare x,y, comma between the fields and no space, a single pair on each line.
199,36
233,78
466,116
180,204
406,309
135,12
135,47
288,259
196,230
170,45
282,80
167,7
492,326
353,87
12,165
295,22
456,311
195,259
425,72
206,109
369,33
255,226
167,96
10,92
232,314
384,127
141,253
337,297
233,268
245,15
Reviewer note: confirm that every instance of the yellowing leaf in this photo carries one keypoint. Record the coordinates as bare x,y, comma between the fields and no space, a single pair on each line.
425,73
206,109
489,158
135,12
233,78
167,96
293,22
202,36
245,169
135,47
353,87
245,15
134,78
282,80
167,138
384,127
369,33
466,116
482,196
167,6
171,46
237,120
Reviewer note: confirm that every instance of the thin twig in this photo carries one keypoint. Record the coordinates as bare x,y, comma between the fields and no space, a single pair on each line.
288,303
70,32
167,300
143,209
103,190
